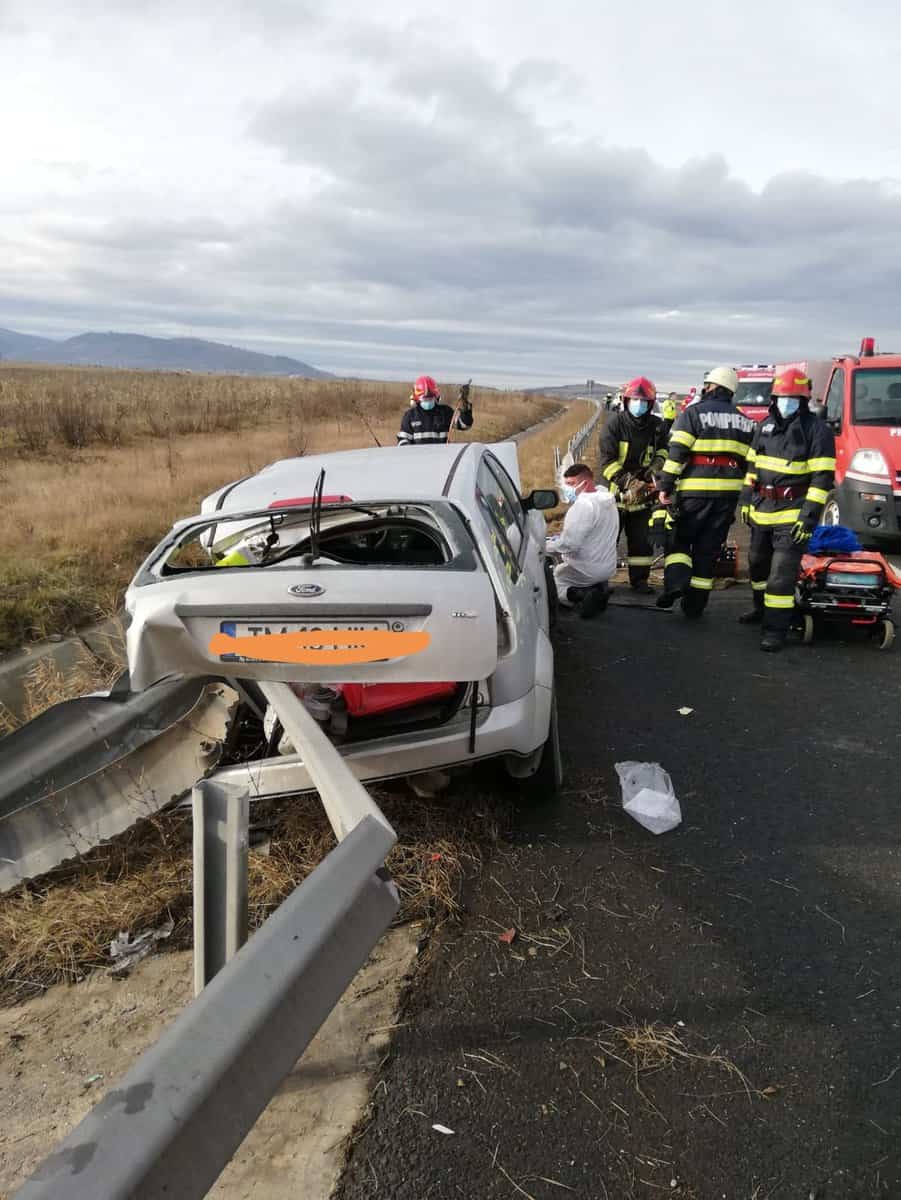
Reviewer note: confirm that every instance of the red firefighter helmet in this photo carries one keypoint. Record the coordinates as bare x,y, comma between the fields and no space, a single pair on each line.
425,386
640,389
792,382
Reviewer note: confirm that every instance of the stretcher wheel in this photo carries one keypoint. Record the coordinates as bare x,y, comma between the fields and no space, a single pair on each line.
888,634
807,629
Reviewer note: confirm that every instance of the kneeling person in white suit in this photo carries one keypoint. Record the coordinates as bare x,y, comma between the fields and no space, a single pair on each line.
587,543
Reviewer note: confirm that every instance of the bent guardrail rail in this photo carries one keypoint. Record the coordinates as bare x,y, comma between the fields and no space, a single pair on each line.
176,1118
87,769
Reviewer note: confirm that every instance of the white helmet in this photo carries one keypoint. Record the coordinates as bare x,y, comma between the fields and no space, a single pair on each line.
724,377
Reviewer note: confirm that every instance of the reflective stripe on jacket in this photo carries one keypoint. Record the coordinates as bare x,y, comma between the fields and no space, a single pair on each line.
421,427
708,449
629,446
796,457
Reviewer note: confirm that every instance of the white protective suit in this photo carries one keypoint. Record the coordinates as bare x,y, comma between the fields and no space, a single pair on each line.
587,543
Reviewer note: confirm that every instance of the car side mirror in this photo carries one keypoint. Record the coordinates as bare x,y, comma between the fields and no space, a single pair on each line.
818,408
540,498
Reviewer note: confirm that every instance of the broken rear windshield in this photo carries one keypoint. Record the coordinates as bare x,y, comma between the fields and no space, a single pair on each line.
371,535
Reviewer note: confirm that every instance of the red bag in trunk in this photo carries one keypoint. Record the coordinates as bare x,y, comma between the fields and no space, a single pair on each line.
367,699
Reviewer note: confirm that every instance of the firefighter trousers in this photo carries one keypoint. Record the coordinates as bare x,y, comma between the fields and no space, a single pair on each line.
700,526
639,557
774,560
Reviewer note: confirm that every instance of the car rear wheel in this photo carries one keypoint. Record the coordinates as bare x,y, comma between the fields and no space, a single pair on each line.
888,634
807,629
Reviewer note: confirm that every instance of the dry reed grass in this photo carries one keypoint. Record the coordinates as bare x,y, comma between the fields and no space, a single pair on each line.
58,928
650,1046
47,684
79,517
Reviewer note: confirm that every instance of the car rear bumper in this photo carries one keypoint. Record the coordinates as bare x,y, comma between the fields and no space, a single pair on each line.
519,728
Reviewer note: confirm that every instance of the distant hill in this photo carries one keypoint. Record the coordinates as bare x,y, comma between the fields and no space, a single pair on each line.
24,346
567,391
150,354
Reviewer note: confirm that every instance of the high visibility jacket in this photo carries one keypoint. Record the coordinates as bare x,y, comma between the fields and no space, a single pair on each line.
708,451
419,426
630,446
791,469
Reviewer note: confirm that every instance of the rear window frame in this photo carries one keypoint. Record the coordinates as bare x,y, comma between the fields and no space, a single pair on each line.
448,526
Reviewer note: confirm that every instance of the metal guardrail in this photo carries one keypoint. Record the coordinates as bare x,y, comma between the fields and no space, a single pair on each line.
577,442
87,769
177,1117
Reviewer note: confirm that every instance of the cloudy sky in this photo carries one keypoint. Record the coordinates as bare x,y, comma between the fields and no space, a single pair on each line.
519,191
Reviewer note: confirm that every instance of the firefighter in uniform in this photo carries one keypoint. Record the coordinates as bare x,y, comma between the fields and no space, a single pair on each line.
791,469
670,412
700,484
632,444
427,422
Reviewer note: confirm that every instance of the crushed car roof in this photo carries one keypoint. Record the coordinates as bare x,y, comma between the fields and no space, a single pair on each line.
416,473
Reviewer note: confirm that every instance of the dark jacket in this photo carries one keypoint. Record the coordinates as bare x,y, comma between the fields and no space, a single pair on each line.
791,469
629,448
419,427
708,450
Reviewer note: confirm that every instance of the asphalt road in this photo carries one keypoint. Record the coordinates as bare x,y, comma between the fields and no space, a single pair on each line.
712,1013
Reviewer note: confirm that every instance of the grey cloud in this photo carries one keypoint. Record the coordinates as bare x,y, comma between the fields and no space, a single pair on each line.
451,226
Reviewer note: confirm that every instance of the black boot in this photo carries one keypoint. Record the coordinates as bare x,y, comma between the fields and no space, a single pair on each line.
594,601
667,599
692,610
754,617
772,641
642,588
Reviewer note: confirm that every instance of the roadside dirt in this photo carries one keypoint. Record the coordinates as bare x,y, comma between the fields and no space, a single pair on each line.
59,1054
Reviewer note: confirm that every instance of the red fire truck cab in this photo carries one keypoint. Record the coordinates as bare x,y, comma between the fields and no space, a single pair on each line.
863,408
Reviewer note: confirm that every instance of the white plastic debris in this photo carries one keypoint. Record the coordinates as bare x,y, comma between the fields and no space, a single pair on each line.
685,711
442,1129
127,951
648,796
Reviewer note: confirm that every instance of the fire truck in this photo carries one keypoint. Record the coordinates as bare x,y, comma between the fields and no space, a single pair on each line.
863,407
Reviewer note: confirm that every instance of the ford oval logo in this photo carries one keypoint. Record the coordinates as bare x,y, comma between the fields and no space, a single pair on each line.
306,589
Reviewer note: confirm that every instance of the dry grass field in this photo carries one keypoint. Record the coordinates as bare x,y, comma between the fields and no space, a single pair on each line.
95,465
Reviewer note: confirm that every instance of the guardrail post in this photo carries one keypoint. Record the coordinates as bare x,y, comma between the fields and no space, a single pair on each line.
221,834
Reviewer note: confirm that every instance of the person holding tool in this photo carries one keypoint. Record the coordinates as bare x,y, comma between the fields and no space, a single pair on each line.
587,543
791,470
428,422
699,483
632,442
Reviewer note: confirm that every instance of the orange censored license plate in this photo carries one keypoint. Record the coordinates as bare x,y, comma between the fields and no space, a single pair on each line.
340,646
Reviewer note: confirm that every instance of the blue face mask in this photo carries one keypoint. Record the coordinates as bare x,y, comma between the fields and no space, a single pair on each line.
569,493
787,406
428,405
638,407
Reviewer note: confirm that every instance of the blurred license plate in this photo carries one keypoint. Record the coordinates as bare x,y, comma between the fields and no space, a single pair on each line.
242,629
